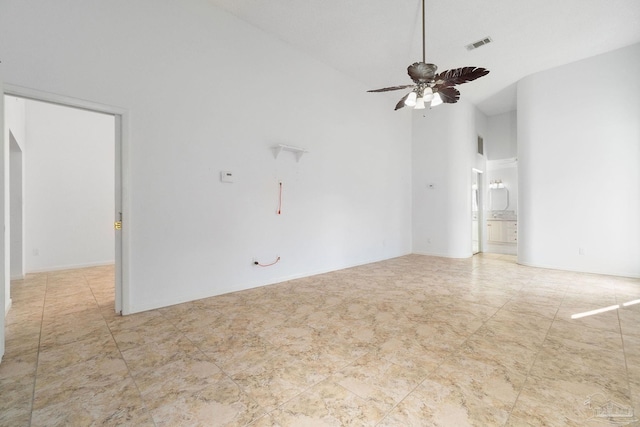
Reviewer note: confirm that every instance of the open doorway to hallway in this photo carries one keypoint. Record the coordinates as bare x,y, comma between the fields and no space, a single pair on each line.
62,172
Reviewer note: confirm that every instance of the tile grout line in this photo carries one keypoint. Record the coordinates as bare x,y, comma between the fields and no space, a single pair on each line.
515,402
624,352
224,373
327,378
120,351
306,389
35,374
445,359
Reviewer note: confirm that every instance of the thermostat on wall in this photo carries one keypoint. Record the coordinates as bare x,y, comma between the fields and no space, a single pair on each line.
226,176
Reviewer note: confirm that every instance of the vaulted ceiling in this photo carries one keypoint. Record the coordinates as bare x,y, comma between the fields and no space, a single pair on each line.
375,40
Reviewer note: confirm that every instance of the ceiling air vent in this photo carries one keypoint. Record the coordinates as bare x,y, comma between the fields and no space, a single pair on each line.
479,43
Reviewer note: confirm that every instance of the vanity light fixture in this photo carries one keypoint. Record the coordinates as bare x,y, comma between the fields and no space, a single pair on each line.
496,184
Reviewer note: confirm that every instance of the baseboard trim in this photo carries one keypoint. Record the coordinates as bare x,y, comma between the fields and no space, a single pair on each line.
602,273
72,267
160,304
444,255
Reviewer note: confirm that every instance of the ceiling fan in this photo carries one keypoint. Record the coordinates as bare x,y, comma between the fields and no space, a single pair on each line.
431,89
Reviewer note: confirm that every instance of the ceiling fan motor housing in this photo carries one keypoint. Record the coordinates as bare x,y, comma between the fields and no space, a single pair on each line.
421,72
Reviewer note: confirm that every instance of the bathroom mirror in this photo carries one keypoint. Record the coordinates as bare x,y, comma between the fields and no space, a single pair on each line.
498,199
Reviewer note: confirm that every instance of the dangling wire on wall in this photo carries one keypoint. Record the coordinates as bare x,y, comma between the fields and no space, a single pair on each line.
280,200
267,265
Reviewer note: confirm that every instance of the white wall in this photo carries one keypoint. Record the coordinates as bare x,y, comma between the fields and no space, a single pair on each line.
15,110
69,187
444,154
16,189
481,124
205,92
501,139
579,152
4,257
14,136
502,152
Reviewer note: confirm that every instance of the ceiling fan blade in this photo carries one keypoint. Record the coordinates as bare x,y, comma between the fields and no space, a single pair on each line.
458,76
400,103
387,89
448,94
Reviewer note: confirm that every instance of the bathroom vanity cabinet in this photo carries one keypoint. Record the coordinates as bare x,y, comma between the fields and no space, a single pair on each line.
502,231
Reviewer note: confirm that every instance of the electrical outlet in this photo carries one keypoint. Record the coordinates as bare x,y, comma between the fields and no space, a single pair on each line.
581,251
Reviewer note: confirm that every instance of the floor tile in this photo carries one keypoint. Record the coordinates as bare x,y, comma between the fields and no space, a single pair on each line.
442,402
414,340
378,380
328,404
220,404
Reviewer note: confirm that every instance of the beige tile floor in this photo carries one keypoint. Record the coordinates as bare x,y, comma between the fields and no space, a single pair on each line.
412,341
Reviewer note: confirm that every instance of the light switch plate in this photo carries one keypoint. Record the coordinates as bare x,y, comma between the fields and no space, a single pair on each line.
226,176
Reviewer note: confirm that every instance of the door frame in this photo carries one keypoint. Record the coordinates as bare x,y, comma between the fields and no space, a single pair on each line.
479,176
121,184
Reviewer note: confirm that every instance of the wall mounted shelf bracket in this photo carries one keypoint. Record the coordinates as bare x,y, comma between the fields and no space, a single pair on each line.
297,151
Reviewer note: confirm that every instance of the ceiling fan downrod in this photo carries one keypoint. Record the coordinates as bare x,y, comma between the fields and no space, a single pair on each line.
424,37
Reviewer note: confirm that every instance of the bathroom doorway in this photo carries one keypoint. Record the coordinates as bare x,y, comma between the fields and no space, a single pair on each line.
476,211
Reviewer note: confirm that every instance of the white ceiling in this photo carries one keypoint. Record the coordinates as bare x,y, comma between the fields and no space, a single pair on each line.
375,40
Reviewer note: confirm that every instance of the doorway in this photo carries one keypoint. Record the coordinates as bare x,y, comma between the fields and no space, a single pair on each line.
476,211
76,170
16,206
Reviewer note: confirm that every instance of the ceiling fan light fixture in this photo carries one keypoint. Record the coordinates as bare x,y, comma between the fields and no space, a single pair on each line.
437,100
427,94
420,104
411,100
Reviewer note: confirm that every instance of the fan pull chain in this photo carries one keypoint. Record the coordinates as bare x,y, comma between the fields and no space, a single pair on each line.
424,56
